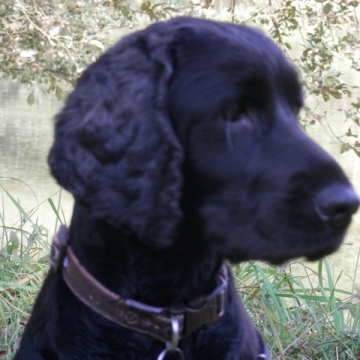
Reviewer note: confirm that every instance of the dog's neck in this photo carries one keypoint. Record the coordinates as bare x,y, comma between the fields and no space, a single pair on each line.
158,277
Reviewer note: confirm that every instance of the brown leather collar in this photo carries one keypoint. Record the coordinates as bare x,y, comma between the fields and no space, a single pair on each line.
162,323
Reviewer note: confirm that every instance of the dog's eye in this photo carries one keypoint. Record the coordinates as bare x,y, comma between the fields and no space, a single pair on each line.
235,115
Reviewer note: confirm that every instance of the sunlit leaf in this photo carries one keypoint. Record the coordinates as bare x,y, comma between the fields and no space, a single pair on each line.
327,8
31,98
59,93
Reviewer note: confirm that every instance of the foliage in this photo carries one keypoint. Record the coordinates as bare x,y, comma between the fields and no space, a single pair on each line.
302,317
327,33
24,258
51,42
329,37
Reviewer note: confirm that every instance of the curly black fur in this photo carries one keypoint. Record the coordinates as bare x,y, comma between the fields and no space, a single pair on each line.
182,149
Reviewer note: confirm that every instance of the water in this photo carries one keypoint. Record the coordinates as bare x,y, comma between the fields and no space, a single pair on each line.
26,133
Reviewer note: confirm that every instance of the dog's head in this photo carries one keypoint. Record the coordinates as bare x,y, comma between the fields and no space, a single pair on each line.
195,122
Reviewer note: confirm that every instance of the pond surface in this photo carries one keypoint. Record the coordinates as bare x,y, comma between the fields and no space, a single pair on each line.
26,133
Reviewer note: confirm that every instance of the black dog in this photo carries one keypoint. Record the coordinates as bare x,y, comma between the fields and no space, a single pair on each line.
182,149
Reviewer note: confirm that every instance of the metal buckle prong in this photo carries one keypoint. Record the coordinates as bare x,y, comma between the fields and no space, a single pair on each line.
175,326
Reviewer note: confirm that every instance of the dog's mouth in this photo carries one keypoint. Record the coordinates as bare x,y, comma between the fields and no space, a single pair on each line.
311,249
294,235
279,239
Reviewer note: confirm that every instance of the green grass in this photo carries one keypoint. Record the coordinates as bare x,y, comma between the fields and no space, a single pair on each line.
307,316
24,249
301,318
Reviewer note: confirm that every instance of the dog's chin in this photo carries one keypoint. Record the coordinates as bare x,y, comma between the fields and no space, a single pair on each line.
282,256
314,255
318,255
273,260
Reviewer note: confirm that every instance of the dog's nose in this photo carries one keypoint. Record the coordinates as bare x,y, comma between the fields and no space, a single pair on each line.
336,204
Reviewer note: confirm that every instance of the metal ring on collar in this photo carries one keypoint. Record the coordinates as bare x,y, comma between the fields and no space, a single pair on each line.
173,346
177,351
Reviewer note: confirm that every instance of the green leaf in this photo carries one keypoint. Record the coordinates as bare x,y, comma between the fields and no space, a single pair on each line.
344,148
325,96
336,94
59,93
14,239
13,243
327,8
31,98
125,11
169,8
356,105
45,259
294,22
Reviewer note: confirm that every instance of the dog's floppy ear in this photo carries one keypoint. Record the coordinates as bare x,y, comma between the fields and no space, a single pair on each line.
115,149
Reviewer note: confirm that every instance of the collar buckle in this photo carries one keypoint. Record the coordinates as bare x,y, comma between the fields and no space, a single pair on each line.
204,310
